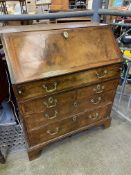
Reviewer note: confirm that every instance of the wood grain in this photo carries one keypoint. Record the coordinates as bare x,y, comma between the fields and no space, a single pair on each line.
64,78
59,5
62,127
62,83
44,54
73,103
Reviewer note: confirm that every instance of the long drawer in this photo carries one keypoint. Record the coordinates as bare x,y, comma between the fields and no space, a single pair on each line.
41,119
64,104
54,85
62,127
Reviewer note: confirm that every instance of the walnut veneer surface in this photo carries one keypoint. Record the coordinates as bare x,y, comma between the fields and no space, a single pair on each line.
64,78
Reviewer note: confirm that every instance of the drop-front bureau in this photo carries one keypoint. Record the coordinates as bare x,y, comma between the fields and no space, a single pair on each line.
64,78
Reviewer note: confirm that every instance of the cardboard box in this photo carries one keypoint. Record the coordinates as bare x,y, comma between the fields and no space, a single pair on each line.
31,6
59,5
89,2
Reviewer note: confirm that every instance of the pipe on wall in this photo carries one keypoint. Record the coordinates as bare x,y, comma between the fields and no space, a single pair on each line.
125,13
46,16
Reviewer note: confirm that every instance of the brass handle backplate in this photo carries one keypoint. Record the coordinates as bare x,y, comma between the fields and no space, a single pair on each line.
50,90
94,116
50,103
75,104
51,117
19,92
74,118
53,132
66,35
99,89
96,100
101,75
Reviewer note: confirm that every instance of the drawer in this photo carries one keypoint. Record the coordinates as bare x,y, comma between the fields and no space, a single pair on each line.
60,128
44,118
60,103
94,101
85,98
54,85
67,103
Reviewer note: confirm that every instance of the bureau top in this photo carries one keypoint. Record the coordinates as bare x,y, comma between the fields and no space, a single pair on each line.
55,50
44,27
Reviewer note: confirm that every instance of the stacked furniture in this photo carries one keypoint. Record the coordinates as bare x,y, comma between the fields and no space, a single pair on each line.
64,78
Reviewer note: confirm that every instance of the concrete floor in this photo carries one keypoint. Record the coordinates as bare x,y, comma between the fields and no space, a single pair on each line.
92,152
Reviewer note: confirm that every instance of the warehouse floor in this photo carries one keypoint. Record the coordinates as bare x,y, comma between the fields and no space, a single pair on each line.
93,152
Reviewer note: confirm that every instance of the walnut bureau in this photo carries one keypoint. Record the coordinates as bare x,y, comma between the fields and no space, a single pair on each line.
64,78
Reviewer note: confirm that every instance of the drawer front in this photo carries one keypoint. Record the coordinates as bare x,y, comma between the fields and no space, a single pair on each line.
41,119
60,128
73,105
91,101
76,102
61,103
54,85
67,103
